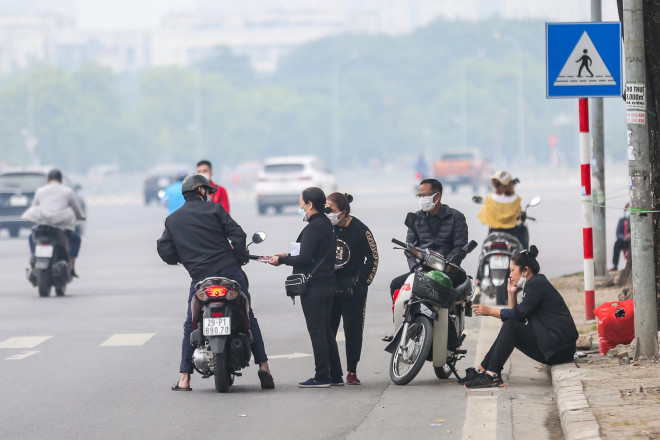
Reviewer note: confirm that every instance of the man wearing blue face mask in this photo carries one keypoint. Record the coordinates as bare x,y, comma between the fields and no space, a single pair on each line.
438,228
622,242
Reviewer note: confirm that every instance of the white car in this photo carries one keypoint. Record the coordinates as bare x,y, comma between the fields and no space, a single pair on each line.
282,179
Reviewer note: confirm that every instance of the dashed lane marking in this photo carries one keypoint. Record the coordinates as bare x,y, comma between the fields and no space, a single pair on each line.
23,341
127,339
20,356
290,356
341,337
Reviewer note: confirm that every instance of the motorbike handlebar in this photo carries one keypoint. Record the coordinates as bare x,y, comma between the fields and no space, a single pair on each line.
531,218
400,243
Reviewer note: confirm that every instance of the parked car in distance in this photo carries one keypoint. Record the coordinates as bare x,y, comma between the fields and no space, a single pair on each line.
159,178
462,167
282,179
17,188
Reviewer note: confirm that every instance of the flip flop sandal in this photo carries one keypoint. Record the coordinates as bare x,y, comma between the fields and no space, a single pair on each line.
176,387
388,338
267,382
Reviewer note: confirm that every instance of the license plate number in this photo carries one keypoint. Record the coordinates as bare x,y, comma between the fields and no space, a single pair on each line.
18,201
499,262
43,251
217,326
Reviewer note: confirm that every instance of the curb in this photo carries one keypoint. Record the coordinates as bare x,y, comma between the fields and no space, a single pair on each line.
577,420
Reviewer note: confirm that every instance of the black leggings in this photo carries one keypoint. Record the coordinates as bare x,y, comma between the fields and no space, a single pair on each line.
515,334
352,309
316,305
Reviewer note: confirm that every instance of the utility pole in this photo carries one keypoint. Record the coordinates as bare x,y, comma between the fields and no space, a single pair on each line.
639,165
598,181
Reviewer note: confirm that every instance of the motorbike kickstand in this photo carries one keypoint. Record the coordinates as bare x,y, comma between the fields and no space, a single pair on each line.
453,370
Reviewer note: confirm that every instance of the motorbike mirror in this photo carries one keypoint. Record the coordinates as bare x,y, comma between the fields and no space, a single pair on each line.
410,220
470,246
478,199
258,237
535,201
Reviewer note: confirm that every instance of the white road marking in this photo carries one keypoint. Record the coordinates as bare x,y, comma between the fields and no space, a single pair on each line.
290,356
480,418
20,356
127,339
341,337
23,341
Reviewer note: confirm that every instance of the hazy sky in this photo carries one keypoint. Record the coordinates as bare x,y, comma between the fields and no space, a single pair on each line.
146,14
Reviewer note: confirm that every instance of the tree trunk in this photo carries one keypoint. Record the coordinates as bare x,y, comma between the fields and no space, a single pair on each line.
652,54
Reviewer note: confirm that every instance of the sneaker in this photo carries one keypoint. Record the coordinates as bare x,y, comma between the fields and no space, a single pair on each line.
470,375
352,379
337,382
486,380
315,383
613,269
266,379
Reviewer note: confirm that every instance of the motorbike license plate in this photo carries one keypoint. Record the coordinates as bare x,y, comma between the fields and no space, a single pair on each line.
217,326
18,200
499,262
43,251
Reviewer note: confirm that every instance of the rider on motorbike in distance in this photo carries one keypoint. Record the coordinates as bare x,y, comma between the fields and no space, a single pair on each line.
501,211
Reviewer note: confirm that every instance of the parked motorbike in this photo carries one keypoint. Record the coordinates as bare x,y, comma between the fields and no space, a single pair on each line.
425,308
50,263
496,251
221,328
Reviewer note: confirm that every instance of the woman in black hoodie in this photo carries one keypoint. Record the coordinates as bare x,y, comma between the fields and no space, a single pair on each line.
317,255
541,326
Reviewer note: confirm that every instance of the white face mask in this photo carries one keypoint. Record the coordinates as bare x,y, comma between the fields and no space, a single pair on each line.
208,176
521,282
427,204
334,218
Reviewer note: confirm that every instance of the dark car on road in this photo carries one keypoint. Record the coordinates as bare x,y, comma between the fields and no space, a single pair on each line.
159,178
17,190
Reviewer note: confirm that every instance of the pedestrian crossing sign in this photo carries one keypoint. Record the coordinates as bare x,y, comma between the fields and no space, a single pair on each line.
583,60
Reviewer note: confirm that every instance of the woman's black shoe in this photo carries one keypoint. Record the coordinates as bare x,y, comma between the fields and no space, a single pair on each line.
470,374
485,380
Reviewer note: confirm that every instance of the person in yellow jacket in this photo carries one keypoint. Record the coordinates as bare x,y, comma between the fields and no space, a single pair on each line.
501,210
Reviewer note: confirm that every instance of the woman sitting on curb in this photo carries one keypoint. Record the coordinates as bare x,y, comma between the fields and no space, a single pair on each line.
541,326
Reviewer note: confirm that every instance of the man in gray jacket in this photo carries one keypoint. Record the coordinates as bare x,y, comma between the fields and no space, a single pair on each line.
56,205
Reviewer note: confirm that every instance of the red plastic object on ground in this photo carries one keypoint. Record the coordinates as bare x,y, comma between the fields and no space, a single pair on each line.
616,324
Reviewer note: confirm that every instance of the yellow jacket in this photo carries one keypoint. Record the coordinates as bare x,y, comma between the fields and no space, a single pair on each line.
500,215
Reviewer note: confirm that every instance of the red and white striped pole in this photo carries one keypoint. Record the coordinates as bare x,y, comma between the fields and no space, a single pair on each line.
587,211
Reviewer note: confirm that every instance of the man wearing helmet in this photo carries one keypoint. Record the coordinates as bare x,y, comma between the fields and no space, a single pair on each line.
208,242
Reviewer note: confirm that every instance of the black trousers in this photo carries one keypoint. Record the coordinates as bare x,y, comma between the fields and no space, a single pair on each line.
515,334
619,246
352,309
316,305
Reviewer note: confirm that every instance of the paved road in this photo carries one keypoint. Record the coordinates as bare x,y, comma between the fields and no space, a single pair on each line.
98,363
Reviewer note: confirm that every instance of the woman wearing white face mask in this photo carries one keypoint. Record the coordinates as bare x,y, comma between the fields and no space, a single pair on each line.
355,267
317,251
541,326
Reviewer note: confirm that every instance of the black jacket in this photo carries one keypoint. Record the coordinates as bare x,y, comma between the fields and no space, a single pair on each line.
198,235
446,233
357,254
317,241
545,310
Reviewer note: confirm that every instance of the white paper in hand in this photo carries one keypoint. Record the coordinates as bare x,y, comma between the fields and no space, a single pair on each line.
295,249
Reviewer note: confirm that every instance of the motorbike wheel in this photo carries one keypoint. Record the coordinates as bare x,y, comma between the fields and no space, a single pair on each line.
405,366
221,374
501,295
442,372
60,291
43,282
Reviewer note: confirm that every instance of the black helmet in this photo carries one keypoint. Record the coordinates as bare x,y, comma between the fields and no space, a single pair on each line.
55,174
194,181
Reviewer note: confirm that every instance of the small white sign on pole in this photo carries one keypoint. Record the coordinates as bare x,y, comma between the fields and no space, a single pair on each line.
636,103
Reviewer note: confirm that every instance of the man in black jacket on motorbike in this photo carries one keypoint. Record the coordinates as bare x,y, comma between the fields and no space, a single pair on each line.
438,228
198,235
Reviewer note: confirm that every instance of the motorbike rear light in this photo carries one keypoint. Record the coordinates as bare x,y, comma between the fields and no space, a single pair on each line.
216,291
498,245
217,314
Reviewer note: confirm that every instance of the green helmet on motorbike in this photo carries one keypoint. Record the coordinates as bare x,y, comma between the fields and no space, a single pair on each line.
439,278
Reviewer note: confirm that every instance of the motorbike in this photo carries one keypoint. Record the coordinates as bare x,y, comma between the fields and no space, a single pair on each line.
496,251
426,311
221,328
50,265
